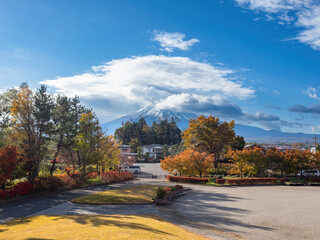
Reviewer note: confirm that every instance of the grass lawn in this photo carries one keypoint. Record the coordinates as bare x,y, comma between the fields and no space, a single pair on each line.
139,194
93,227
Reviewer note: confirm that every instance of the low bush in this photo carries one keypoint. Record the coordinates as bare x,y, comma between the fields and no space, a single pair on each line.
220,181
47,184
312,179
187,179
160,193
283,180
94,181
252,181
20,188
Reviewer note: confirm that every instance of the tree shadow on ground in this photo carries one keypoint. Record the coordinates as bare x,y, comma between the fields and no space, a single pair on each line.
208,208
119,221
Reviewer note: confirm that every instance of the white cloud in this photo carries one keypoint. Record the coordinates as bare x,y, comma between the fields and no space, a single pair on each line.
170,41
304,13
276,92
196,103
312,92
128,84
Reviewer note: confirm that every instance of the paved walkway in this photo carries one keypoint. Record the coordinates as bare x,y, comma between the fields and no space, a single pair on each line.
256,212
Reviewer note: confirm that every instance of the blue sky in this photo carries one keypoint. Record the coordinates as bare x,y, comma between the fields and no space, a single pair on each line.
255,61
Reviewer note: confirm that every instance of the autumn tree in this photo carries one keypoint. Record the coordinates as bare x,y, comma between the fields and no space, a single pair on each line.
24,132
9,159
189,162
31,129
200,162
208,134
6,100
279,161
87,141
174,164
109,153
240,159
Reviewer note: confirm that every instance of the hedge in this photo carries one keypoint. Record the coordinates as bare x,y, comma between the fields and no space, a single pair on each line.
312,179
252,181
220,181
187,179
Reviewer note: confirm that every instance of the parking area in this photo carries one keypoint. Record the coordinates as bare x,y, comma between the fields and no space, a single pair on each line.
254,212
151,169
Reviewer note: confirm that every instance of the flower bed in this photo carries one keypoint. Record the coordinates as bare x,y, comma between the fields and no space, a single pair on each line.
167,193
187,179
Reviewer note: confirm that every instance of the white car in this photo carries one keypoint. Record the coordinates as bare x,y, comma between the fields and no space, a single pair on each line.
133,169
309,173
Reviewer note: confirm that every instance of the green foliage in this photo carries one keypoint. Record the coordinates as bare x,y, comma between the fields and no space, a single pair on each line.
238,143
160,193
139,133
94,181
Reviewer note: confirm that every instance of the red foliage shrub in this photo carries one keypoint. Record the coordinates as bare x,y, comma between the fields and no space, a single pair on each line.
187,179
312,179
23,188
252,181
283,180
113,176
8,163
220,181
92,175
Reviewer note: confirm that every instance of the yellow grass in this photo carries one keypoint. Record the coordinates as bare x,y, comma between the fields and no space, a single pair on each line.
93,227
140,194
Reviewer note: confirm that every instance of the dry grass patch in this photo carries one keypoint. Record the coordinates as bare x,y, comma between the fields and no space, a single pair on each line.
140,194
93,227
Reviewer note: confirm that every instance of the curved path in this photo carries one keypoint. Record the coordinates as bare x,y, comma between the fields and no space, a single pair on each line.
256,212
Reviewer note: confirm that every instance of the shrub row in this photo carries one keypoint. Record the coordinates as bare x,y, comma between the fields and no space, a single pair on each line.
21,188
252,181
312,179
65,181
187,179
111,176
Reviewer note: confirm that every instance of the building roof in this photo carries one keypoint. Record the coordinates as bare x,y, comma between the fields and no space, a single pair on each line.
124,146
152,146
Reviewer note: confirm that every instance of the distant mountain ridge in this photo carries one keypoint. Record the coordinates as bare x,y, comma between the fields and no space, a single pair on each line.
251,134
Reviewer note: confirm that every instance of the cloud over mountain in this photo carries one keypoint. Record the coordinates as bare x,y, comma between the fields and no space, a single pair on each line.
133,83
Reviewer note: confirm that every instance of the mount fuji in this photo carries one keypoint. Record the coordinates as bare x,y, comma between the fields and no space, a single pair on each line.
251,134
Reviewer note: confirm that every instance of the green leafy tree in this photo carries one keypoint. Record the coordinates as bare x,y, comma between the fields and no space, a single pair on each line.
66,116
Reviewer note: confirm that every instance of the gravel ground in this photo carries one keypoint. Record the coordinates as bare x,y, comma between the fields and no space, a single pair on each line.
253,212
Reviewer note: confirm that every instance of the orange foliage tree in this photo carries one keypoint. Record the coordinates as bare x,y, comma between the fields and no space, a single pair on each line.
189,162
208,134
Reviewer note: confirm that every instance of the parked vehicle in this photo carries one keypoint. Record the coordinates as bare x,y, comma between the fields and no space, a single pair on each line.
309,173
133,169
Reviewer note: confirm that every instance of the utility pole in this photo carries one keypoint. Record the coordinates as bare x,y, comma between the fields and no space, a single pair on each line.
315,140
